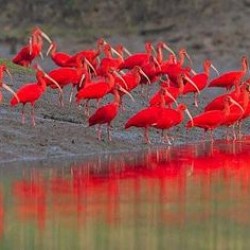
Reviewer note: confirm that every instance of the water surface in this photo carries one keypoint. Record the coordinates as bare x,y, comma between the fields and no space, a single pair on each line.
185,197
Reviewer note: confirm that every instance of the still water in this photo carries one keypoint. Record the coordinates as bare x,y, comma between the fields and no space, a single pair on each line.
186,197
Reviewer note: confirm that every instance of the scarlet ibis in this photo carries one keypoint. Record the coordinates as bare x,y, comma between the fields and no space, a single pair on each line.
152,69
91,55
147,117
109,62
173,68
212,119
97,90
227,79
59,58
236,112
169,118
175,92
200,81
217,103
65,76
107,113
29,52
159,54
138,59
31,92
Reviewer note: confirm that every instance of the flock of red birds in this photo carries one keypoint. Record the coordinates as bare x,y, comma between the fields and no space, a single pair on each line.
105,70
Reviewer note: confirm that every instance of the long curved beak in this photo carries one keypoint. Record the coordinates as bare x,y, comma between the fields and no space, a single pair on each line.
126,92
46,37
118,54
192,82
49,49
30,45
189,58
41,55
193,72
82,79
233,102
213,67
144,74
157,63
169,49
10,75
171,97
120,77
11,91
127,51
54,81
154,50
190,116
91,66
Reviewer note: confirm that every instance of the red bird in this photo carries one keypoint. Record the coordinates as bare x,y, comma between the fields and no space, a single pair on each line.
109,62
200,81
212,119
65,76
4,69
227,79
107,113
169,118
147,117
28,53
236,112
138,59
159,55
96,91
90,55
31,92
173,68
218,103
59,58
174,91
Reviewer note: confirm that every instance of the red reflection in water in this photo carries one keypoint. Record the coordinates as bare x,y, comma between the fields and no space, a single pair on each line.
30,200
116,190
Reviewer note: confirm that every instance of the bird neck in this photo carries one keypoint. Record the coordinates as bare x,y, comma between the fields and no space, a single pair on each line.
180,85
245,98
226,109
206,68
162,100
117,97
42,83
181,59
244,66
159,55
110,80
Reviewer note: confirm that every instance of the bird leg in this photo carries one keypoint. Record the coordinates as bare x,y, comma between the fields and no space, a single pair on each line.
146,137
239,130
71,94
33,115
98,103
228,138
196,100
99,132
109,133
23,115
211,135
165,138
86,108
61,102
234,134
